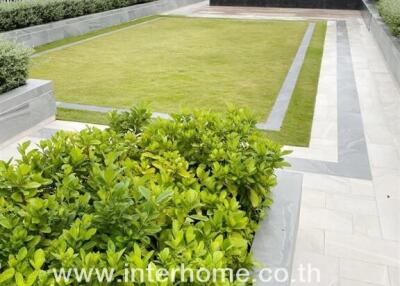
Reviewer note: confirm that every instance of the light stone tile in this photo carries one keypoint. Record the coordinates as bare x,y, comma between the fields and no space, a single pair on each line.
363,271
348,282
386,183
362,248
389,215
368,225
326,266
11,151
313,198
72,125
383,156
321,218
394,275
326,183
361,187
312,240
352,204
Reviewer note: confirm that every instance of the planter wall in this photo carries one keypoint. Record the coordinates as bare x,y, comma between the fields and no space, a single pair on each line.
24,107
47,33
389,45
322,4
275,240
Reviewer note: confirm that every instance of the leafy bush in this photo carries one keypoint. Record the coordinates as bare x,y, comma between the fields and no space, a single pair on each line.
390,12
30,13
14,60
187,191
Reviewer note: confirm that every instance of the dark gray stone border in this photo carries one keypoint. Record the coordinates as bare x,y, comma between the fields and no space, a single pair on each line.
353,158
47,33
275,241
103,109
277,115
24,107
389,45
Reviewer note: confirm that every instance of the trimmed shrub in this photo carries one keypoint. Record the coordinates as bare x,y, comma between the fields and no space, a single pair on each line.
14,60
185,191
390,12
30,13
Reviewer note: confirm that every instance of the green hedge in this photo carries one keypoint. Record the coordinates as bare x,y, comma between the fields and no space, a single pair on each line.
191,190
30,13
390,12
14,60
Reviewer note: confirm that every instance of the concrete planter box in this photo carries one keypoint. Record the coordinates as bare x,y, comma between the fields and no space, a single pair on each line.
389,45
275,240
320,4
47,33
24,107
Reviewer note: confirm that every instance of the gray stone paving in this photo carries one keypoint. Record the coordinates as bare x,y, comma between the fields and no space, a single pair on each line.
353,159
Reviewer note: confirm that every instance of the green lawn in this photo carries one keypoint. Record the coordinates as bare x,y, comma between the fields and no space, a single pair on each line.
175,63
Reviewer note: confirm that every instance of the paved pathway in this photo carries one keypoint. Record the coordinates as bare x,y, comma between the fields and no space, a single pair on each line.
349,227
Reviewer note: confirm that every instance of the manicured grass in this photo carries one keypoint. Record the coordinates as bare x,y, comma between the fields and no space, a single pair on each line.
82,116
177,63
296,127
71,40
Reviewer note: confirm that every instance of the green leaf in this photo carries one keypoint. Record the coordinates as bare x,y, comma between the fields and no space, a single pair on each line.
22,253
5,222
19,279
254,199
165,195
145,192
7,275
32,185
199,217
32,278
38,259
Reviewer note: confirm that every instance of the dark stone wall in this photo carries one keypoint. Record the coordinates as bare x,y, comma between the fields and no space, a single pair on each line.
323,4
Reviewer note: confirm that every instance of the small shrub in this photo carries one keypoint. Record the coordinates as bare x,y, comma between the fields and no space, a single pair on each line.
185,191
14,60
390,12
30,13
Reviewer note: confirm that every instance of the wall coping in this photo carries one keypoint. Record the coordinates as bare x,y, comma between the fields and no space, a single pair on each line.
387,42
24,107
275,240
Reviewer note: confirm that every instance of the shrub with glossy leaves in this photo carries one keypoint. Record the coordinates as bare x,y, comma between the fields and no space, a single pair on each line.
14,60
185,191
35,12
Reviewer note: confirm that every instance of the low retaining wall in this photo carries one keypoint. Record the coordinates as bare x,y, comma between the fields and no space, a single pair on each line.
24,107
275,240
321,4
389,45
47,33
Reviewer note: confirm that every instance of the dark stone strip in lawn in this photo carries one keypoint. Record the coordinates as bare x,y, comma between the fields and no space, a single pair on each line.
102,109
277,115
353,158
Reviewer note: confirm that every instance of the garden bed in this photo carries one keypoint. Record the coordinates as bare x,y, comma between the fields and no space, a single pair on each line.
189,191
